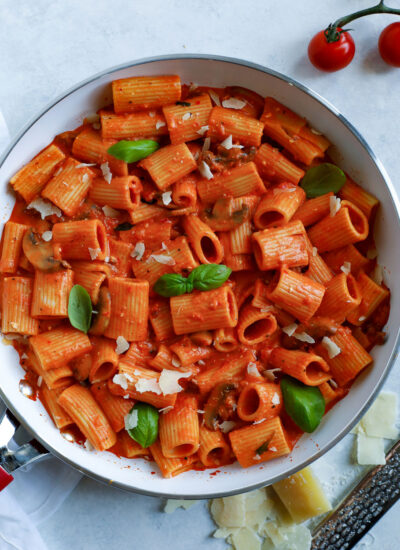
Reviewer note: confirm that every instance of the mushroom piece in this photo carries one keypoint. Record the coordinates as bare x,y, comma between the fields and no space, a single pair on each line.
39,253
101,319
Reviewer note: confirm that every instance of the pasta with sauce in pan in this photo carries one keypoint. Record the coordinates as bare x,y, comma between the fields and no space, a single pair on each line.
192,275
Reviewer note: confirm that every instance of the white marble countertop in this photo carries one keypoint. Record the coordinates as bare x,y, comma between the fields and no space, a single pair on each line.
46,47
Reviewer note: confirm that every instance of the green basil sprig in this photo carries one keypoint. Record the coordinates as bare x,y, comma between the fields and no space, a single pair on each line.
304,404
322,179
132,151
146,430
203,277
80,308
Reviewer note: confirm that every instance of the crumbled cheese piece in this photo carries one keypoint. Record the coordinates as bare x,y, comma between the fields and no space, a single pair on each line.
290,329
172,505
227,143
24,356
304,337
94,252
163,259
252,369
314,251
84,165
110,212
273,449
131,420
199,411
122,345
259,421
44,208
202,130
214,96
169,381
164,246
377,274
233,103
138,251
372,253
362,318
159,124
370,450
47,236
166,197
275,399
85,178
166,409
256,456
346,268
88,446
226,426
143,385
128,377
121,380
39,381
186,116
206,145
175,362
332,348
334,205
106,172
205,171
201,362
126,396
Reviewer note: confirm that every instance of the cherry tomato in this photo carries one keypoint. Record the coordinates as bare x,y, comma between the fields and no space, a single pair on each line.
389,44
331,56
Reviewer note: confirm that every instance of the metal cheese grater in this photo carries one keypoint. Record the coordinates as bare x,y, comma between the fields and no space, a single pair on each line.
362,508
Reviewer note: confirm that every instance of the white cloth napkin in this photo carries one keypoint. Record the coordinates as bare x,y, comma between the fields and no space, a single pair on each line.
38,490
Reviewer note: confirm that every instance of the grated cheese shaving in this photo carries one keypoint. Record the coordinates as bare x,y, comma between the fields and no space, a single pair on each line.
275,399
304,337
233,103
227,143
166,409
332,348
346,268
85,164
122,345
47,236
186,116
206,145
252,369
121,380
144,385
214,97
88,446
226,426
44,208
110,212
205,171
39,381
94,252
362,318
162,259
131,420
334,205
138,251
168,381
159,124
314,251
166,197
105,168
203,130
175,362
290,329
259,421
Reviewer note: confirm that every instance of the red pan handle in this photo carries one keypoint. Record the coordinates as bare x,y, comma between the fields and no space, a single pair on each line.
5,478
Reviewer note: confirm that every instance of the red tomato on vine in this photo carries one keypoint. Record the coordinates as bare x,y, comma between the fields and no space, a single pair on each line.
331,50
389,44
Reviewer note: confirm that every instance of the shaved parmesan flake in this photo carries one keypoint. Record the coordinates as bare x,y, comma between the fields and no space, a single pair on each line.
44,208
121,380
346,268
304,337
85,178
227,143
279,190
202,130
257,456
275,399
233,103
94,252
138,251
166,409
186,116
205,171
110,212
131,420
175,362
84,165
24,356
377,274
269,374
259,421
88,446
126,396
206,145
334,205
39,381
168,381
214,97
252,369
246,539
290,329
237,146
106,172
128,377
370,450
166,197
380,419
47,236
201,362
162,259
273,449
332,348
151,385
226,426
362,318
122,345
159,124
172,505
314,251
164,246
199,411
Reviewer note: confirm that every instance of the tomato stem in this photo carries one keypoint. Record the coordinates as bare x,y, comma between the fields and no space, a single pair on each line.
334,30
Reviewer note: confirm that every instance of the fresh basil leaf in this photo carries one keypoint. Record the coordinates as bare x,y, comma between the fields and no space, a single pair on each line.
322,179
183,103
209,276
124,226
80,308
304,404
171,284
146,430
132,151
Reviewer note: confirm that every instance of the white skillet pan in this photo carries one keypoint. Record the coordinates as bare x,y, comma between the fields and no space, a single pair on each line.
353,155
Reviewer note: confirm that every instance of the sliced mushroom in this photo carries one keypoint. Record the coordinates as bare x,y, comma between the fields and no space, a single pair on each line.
39,253
223,218
103,308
